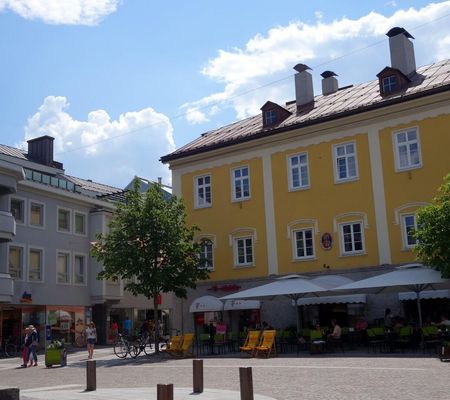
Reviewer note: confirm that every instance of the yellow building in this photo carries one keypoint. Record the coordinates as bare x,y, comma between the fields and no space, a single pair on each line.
325,184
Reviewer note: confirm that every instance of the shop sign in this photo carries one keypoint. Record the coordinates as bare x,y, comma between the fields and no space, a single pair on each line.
64,326
326,241
225,288
26,298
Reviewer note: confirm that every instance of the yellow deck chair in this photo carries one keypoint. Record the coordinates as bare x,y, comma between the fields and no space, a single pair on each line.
174,344
267,344
185,350
251,342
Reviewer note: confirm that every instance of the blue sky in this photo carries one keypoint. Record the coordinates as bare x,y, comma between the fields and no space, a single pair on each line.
121,83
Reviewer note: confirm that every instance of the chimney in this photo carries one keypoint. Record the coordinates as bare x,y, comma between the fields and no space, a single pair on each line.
40,150
329,82
304,93
402,51
159,180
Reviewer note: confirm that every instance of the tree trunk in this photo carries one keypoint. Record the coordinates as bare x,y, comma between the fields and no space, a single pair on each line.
155,315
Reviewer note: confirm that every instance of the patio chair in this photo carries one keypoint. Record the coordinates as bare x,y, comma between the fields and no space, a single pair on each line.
219,343
375,339
430,337
267,343
251,342
173,345
185,350
317,344
203,343
405,338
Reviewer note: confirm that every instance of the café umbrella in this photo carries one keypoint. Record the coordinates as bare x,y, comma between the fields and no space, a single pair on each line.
291,286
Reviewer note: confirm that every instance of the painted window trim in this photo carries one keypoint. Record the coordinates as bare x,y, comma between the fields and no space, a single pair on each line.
343,253
85,256
196,186
74,214
291,187
42,250
406,246
25,207
233,193
397,155
69,231
297,225
294,244
44,211
236,254
338,180
69,269
205,238
408,208
23,266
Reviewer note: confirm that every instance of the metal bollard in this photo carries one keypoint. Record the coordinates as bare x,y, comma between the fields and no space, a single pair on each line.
164,392
246,382
9,394
91,375
198,375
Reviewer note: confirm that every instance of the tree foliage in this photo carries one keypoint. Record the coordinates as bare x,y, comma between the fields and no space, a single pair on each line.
433,231
150,246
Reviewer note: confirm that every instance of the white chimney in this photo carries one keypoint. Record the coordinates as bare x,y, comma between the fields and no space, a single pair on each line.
304,93
329,82
402,51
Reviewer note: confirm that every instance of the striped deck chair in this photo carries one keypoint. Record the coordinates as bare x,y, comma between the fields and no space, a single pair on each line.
251,342
267,344
174,344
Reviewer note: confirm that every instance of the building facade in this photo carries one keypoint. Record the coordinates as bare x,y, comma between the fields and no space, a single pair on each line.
323,185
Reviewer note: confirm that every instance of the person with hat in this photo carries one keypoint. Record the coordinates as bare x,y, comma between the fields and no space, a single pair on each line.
32,356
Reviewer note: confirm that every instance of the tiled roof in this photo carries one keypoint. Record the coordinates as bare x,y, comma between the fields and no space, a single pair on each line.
87,184
13,152
346,101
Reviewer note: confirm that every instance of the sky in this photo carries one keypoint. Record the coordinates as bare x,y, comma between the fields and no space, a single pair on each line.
120,83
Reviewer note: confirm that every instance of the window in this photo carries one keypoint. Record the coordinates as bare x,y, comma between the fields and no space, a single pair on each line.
80,223
303,244
345,162
270,117
18,210
389,84
206,255
298,171
352,241
203,190
241,184
63,267
243,251
35,261
407,149
79,269
36,214
63,220
16,262
409,226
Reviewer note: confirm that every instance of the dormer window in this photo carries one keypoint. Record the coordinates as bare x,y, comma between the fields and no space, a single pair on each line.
273,114
270,117
389,84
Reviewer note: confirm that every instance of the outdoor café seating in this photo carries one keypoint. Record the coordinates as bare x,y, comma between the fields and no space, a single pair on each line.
250,343
266,345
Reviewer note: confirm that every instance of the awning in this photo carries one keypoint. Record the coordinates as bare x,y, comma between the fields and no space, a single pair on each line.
345,299
206,303
426,294
232,305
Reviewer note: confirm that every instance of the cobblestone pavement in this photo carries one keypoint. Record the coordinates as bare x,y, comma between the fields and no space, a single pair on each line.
349,376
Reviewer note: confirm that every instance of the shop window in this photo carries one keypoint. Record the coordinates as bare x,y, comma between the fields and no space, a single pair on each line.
18,210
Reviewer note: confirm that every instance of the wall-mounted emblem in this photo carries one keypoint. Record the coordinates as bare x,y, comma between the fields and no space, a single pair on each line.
326,241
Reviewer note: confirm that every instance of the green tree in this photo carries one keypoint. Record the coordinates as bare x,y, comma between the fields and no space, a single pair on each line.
150,246
433,233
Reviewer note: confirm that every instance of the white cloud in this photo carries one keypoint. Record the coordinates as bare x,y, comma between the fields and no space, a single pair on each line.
100,148
195,116
67,12
270,57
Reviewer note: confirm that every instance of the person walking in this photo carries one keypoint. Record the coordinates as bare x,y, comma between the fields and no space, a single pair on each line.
32,356
26,346
91,339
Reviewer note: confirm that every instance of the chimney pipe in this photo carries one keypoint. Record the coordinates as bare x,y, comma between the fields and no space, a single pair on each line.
402,51
40,150
304,93
329,82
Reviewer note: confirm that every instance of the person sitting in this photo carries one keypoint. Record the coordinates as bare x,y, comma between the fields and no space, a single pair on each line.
361,324
337,331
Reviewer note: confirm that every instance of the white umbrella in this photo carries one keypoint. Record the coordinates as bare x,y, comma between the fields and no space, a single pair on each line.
412,277
205,304
292,286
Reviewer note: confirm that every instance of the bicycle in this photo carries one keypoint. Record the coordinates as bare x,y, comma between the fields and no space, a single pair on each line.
9,349
123,347
143,344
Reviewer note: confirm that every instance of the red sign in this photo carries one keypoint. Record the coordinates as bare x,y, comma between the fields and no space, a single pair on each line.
225,288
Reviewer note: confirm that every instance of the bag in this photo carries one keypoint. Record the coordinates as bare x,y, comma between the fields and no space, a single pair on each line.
34,339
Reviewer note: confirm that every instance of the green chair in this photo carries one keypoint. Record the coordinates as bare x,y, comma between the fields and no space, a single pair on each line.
375,340
404,339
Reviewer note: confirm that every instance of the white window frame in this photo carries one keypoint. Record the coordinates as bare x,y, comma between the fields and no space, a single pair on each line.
42,251
42,205
202,245
299,166
84,215
390,83
74,264
236,241
406,245
342,242
337,179
69,269
198,202
24,202
396,146
22,266
270,117
240,179
58,209
294,244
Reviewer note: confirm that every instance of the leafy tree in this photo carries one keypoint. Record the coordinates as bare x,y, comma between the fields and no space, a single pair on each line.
150,247
433,231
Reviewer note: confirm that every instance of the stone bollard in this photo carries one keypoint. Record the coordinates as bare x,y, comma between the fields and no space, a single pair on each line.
198,375
91,375
9,393
246,383
164,392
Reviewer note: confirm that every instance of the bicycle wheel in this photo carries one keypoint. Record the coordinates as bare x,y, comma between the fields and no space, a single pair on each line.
134,349
148,348
120,349
10,350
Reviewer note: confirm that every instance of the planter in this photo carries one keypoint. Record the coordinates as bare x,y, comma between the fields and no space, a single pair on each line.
55,357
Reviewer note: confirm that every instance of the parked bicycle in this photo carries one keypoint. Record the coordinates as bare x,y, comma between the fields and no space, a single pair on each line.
123,347
143,344
8,348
